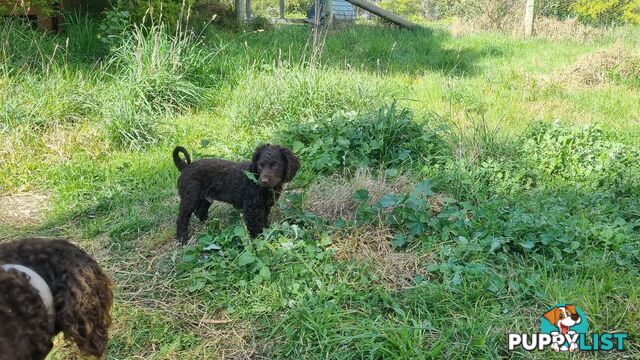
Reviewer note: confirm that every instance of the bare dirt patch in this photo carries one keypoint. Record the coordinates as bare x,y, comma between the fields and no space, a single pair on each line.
23,209
332,198
395,269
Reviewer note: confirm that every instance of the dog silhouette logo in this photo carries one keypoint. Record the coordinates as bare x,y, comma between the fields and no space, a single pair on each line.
567,321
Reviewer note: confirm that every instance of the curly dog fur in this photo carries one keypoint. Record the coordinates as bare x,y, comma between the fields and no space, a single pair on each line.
82,298
206,180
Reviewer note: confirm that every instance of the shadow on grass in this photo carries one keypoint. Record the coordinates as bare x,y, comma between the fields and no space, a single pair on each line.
375,49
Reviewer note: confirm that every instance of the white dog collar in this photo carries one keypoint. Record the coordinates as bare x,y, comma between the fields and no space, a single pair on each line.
38,283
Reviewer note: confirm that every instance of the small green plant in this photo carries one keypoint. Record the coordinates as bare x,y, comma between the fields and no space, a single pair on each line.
409,213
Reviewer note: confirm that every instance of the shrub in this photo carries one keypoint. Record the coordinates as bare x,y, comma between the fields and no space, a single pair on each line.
586,182
222,13
117,20
169,12
387,138
548,155
260,23
486,14
557,9
607,12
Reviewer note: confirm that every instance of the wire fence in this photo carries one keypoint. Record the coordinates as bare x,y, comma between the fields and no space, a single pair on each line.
594,12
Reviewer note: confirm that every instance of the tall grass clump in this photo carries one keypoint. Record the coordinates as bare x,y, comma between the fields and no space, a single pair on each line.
41,102
156,73
80,34
21,48
41,77
290,94
163,71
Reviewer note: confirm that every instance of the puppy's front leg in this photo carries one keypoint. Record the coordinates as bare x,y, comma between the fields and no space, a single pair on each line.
255,219
202,212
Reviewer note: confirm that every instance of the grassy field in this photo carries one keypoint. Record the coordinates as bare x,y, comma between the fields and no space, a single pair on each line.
452,188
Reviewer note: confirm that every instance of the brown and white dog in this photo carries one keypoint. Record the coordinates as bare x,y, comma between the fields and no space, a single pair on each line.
563,317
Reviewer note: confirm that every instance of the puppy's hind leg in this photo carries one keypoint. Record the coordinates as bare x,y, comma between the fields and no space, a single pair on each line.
202,212
187,207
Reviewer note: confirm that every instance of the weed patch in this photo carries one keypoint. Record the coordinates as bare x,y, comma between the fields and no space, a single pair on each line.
388,138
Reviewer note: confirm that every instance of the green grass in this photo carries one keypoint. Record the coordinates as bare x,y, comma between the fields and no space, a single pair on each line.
539,208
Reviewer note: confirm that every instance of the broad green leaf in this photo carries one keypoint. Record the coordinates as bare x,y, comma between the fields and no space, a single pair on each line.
265,273
251,176
398,240
246,258
361,196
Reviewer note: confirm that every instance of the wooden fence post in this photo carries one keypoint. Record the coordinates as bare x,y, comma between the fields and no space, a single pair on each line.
529,17
282,9
240,10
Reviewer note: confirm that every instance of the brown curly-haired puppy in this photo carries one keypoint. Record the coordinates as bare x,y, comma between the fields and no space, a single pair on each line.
47,287
206,180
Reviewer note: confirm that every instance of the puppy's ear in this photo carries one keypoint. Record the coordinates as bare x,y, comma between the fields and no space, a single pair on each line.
553,316
571,308
293,164
85,309
256,157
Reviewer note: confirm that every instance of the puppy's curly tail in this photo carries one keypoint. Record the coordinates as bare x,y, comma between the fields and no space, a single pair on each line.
180,164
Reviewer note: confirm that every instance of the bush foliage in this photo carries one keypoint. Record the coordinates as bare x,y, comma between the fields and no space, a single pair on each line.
388,138
607,12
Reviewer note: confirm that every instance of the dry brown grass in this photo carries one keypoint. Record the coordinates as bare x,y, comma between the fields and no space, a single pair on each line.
23,209
512,23
571,29
596,69
332,198
395,269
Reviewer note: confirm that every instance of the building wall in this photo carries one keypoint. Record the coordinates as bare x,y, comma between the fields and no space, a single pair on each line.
343,10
